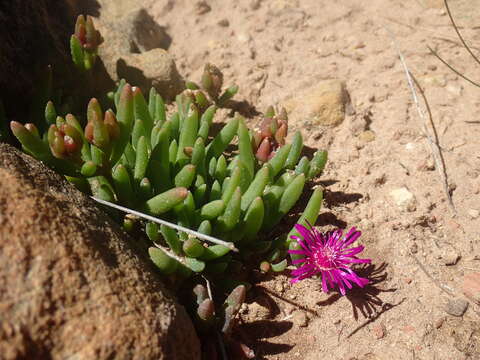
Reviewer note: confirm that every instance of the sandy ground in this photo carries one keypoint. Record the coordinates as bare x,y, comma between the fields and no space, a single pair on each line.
275,48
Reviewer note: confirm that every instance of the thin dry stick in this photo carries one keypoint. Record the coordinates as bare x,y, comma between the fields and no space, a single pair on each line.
441,286
436,148
468,48
169,224
458,33
433,142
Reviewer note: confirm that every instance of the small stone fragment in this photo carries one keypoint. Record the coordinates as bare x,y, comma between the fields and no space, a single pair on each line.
258,311
449,255
473,213
223,23
255,4
300,318
378,331
439,322
404,199
456,307
202,7
471,287
367,136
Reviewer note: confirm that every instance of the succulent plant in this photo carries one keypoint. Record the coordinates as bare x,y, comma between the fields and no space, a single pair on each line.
84,43
168,166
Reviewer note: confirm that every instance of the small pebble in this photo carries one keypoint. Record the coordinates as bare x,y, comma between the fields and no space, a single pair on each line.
439,323
473,213
202,7
471,286
378,331
255,4
244,309
450,256
367,136
300,318
456,307
414,248
224,23
404,199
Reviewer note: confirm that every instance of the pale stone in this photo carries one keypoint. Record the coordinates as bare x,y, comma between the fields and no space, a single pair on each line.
404,199
324,104
474,213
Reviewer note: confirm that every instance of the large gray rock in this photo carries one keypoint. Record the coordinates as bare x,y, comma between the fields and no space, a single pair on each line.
72,284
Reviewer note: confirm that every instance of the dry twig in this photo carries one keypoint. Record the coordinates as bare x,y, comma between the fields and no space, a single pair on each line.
432,140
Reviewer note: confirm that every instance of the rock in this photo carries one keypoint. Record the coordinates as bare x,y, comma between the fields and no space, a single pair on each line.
323,104
157,69
449,255
404,199
366,136
300,318
135,40
378,331
73,285
255,4
471,287
223,23
456,307
455,90
439,322
134,32
202,7
258,311
473,213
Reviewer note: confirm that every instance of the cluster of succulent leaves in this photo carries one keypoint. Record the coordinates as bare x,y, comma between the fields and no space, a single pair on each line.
84,43
207,317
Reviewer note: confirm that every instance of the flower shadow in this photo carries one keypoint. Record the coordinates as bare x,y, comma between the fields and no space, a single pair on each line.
366,300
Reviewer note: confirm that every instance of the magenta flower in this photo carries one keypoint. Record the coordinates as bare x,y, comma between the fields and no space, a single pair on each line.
328,254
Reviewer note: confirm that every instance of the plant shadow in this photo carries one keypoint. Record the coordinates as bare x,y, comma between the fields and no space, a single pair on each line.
254,334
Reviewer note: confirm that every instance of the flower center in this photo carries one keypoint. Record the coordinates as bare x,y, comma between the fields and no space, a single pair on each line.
324,259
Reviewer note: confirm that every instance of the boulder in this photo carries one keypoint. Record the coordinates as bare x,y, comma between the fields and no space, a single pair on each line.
73,285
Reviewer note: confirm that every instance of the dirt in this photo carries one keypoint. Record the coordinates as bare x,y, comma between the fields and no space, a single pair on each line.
421,249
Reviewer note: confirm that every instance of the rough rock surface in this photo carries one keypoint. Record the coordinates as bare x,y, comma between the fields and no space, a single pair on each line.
152,68
324,103
134,48
72,284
